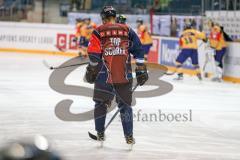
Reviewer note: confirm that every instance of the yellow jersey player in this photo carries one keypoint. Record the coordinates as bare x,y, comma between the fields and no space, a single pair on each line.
145,37
78,34
218,43
86,32
90,23
188,44
79,23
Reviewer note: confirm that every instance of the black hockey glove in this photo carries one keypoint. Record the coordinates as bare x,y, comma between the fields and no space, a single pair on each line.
141,74
91,73
205,40
75,39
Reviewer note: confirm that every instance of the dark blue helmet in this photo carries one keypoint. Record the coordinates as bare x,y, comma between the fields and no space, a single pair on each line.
108,11
140,20
187,26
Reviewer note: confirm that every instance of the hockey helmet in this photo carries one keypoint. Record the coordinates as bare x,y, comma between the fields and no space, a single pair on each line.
140,20
187,25
121,19
108,11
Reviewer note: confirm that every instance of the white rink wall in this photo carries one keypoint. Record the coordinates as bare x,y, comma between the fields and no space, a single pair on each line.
40,38
57,39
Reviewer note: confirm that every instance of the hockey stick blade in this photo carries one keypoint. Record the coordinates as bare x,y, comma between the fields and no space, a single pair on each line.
92,136
170,74
47,65
160,67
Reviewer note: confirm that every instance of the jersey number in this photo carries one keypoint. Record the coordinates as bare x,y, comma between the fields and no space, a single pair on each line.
115,41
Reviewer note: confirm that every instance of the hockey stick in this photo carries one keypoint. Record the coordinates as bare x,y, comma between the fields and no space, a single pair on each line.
205,65
61,67
94,137
170,73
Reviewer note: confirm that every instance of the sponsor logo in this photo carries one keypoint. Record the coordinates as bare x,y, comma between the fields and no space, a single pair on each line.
65,41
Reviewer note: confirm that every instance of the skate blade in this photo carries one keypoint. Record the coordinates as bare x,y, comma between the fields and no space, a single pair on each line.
178,79
130,147
101,144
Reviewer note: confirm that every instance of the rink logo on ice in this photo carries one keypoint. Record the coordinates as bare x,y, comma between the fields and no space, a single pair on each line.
63,108
169,52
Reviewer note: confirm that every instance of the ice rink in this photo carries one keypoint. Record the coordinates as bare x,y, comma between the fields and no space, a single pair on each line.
27,106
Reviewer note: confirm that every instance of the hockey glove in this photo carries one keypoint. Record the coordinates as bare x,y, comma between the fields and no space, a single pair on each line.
205,40
141,74
91,73
75,39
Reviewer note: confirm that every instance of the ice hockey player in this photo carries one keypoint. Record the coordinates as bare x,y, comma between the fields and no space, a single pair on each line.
110,70
145,37
90,23
84,29
218,43
121,19
79,36
189,49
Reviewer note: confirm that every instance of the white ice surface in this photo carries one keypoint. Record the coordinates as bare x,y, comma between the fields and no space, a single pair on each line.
27,106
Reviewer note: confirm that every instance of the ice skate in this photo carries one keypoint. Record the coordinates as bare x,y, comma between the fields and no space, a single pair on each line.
199,76
179,77
130,141
101,138
216,79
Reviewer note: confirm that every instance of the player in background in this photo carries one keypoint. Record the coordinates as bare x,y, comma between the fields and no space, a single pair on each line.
110,70
90,23
218,43
145,37
79,24
84,30
121,19
189,49
79,36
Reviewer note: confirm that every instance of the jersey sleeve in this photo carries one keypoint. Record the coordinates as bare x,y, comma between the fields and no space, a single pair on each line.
200,35
136,47
78,30
94,47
